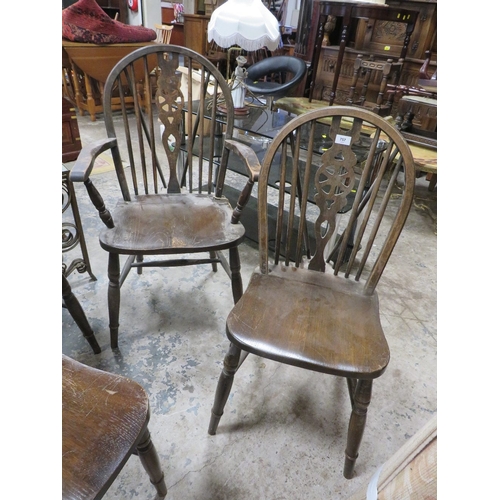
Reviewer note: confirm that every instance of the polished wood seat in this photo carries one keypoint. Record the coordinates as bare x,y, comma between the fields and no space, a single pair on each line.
104,420
312,302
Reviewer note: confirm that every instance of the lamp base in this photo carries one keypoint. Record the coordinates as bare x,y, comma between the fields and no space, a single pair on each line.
237,111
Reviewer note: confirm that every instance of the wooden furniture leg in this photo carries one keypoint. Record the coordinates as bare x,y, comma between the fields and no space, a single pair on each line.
151,463
231,364
75,309
114,297
360,401
91,106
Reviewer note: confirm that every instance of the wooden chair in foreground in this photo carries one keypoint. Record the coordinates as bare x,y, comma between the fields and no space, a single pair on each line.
299,309
173,205
104,420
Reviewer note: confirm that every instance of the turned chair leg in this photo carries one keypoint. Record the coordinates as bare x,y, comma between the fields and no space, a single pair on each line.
231,363
236,281
114,297
360,401
75,309
151,463
213,255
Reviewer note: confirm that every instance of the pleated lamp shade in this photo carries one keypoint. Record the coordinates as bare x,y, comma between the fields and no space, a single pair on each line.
246,23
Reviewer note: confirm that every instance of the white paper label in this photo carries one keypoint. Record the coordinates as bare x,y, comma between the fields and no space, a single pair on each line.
343,139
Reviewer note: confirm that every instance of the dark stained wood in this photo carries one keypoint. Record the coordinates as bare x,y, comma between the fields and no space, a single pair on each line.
173,204
313,303
368,73
75,309
348,12
104,421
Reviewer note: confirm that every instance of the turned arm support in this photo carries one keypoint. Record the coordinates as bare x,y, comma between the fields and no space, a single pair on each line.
82,169
247,154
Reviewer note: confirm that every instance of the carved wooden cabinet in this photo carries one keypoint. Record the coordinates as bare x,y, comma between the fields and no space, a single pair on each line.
381,38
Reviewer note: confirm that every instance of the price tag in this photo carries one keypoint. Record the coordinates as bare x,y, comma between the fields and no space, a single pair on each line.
343,139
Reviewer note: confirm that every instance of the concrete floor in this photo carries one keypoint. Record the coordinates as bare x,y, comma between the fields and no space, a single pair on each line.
284,429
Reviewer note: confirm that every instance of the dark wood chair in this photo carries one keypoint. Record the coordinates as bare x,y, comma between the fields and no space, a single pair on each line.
371,82
173,204
104,421
71,303
301,307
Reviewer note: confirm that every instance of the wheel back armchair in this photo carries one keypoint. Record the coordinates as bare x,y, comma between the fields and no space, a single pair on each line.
170,160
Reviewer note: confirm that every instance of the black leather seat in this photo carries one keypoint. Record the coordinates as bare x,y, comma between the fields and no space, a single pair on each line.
265,77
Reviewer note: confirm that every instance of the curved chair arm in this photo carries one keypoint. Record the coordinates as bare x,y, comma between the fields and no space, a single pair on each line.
82,169
252,163
88,155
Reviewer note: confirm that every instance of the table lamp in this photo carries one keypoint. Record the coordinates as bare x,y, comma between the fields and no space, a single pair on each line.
247,24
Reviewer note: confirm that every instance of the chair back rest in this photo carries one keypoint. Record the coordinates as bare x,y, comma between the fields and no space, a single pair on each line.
372,82
163,32
336,170
161,103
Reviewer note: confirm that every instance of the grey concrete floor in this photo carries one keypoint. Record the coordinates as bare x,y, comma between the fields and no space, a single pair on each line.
284,429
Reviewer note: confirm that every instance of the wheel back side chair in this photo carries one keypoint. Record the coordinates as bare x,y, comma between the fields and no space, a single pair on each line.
344,189
173,203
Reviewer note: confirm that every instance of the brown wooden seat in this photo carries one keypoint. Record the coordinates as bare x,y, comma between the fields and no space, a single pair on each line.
371,81
324,242
163,32
173,204
104,420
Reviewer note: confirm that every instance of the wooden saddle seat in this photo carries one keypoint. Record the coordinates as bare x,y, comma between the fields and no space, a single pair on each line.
104,421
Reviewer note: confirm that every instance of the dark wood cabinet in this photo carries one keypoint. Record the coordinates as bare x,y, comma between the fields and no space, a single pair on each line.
383,38
71,142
